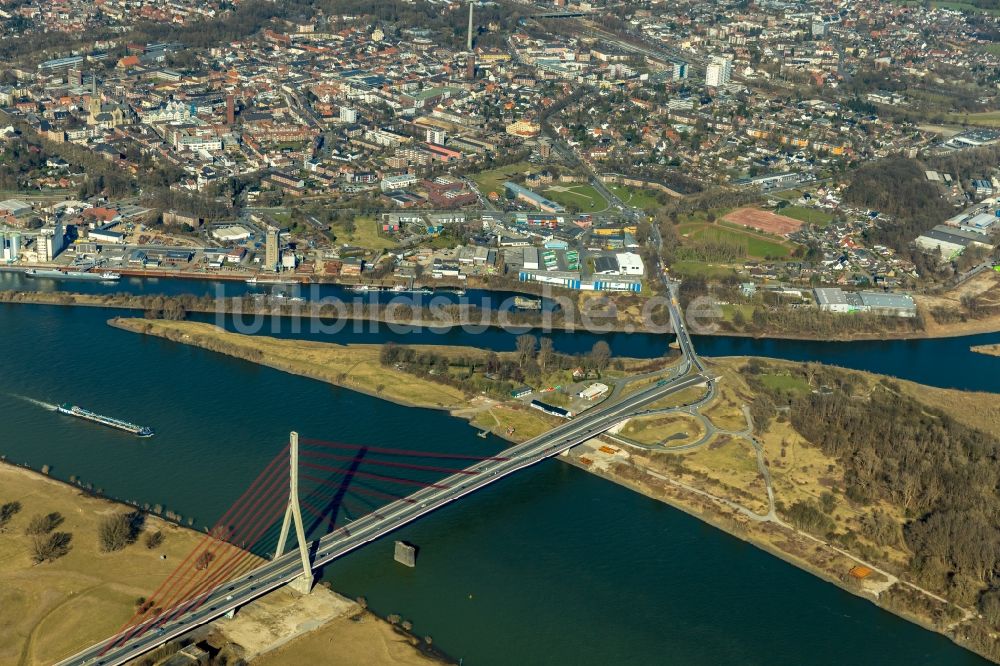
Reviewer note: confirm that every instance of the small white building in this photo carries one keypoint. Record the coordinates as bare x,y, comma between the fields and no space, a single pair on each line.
594,391
630,263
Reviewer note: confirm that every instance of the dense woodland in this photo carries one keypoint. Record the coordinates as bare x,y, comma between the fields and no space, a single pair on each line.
493,373
940,474
898,188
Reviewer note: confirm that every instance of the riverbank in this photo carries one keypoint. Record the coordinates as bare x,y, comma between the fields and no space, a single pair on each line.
776,490
611,319
51,610
753,494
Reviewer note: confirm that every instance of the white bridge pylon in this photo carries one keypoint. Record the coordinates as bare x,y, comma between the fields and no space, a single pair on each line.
293,513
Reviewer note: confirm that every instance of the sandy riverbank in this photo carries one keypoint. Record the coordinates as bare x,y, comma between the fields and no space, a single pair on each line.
50,611
989,350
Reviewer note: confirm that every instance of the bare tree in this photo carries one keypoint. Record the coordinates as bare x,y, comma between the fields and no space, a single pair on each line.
7,511
43,524
46,548
526,345
546,353
600,355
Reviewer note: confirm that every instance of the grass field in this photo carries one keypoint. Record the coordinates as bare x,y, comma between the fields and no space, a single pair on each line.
366,234
757,245
582,196
785,383
637,197
986,118
492,181
816,216
669,429
699,269
49,611
787,195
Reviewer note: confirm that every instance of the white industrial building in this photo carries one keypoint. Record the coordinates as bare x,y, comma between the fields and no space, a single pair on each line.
231,234
594,391
949,241
49,242
877,302
390,183
630,263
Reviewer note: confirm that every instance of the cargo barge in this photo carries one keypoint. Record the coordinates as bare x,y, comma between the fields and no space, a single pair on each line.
72,275
118,424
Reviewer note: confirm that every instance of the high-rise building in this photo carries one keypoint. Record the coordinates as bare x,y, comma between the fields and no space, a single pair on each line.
718,72
230,110
348,115
11,246
272,248
818,27
436,136
470,66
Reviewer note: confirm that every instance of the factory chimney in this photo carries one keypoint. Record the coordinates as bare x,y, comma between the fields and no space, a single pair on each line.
468,46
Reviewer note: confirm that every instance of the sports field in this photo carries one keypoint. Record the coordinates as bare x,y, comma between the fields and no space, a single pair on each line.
763,220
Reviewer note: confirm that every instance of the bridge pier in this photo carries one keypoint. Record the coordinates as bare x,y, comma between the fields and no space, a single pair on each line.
293,514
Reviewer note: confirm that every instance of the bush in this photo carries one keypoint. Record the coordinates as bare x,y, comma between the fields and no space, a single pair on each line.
154,539
44,524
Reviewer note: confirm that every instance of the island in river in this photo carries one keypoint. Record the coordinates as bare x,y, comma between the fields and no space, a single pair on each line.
884,487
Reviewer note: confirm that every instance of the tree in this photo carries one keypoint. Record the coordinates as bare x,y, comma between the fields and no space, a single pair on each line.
7,511
989,606
46,548
44,524
546,353
525,348
600,355
119,530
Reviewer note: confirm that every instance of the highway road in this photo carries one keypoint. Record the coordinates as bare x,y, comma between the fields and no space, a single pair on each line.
391,517
282,570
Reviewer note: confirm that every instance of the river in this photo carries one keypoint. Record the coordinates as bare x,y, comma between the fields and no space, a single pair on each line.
553,566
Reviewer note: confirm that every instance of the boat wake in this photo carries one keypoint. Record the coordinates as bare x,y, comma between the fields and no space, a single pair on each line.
39,403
